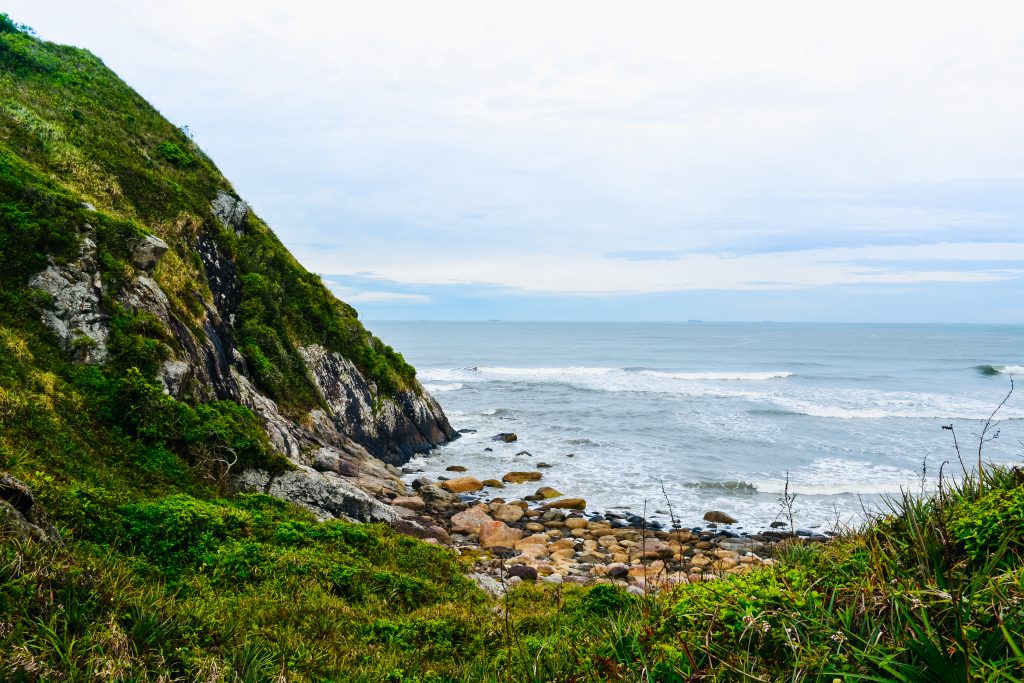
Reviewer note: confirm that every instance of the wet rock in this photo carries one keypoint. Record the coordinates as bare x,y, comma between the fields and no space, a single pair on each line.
520,477
462,485
507,437
568,504
548,492
778,525
719,517
493,483
467,431
542,465
533,498
522,453
455,468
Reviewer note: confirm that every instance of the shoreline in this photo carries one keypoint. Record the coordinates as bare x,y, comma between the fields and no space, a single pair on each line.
556,538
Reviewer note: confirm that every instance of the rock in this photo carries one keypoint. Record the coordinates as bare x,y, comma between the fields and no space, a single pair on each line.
522,453
488,584
174,375
467,431
147,252
328,496
391,429
719,517
493,483
523,571
455,468
507,437
651,548
520,477
230,211
741,545
576,523
436,497
20,515
420,482
542,465
462,485
507,513
548,492
778,525
75,313
618,571
469,521
497,533
568,504
330,460
533,498
409,502
554,578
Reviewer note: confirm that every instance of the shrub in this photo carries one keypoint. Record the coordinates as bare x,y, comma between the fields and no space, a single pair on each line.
176,155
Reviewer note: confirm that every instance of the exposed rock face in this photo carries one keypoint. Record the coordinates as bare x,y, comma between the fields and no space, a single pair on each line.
75,313
20,516
231,212
344,451
397,429
328,496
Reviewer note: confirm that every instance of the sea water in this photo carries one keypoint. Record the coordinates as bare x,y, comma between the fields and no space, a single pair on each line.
701,416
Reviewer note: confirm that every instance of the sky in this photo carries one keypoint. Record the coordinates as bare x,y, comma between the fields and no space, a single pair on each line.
588,160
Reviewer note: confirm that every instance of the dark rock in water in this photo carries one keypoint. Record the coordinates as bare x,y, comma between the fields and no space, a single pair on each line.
455,468
818,538
570,455
618,572
719,517
542,465
620,524
696,530
778,525
507,437
411,470
597,519
523,571
467,431
728,534
488,450
524,453
804,532
533,497
655,524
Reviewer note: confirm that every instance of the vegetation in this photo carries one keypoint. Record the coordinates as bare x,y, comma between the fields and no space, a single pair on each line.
161,577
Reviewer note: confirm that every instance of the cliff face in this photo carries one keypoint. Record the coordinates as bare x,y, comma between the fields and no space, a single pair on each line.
121,237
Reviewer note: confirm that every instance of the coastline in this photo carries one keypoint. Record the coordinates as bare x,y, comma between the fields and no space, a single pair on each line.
554,537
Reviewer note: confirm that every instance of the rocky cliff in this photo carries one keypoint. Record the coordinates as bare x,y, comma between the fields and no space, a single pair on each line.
122,238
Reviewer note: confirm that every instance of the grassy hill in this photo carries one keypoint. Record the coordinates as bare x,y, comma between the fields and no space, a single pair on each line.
160,575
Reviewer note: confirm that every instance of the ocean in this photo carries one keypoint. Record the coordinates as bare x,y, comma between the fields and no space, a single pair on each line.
711,416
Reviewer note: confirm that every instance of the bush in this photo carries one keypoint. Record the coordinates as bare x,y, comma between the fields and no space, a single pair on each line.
176,155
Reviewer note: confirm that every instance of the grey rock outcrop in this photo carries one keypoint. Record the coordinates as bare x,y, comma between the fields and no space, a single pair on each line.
230,211
328,496
399,427
147,252
20,515
75,311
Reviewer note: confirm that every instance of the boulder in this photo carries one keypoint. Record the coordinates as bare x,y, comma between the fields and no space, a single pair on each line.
507,513
409,502
328,496
330,460
568,504
20,515
548,492
493,483
469,521
455,468
495,533
523,571
507,437
462,485
147,252
719,517
520,477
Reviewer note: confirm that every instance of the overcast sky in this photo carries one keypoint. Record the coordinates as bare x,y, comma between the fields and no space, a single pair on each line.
593,160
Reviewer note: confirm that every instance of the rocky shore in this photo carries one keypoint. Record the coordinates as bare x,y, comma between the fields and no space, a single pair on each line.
551,537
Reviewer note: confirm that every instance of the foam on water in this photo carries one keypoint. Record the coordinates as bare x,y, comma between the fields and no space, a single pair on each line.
717,415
